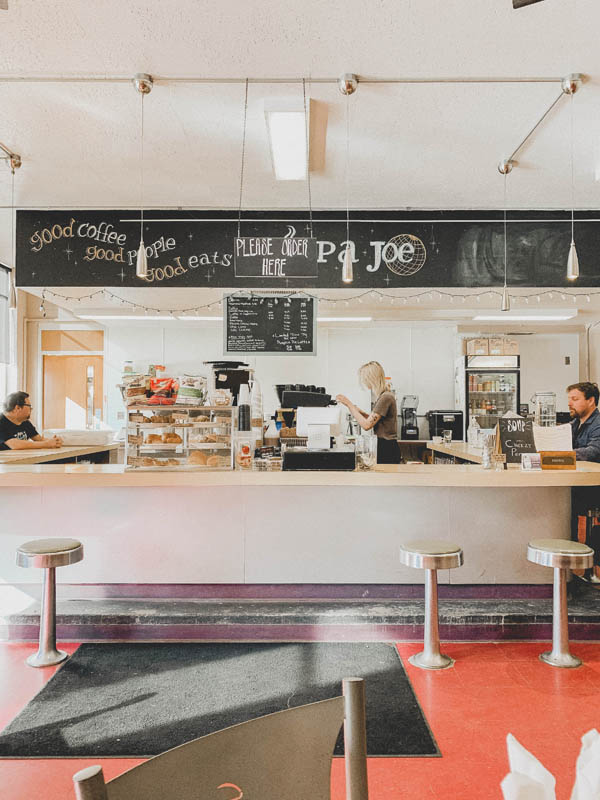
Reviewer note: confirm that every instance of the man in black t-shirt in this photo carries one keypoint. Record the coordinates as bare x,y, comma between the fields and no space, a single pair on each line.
16,431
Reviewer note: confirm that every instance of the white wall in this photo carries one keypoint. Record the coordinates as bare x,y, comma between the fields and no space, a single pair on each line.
418,358
543,365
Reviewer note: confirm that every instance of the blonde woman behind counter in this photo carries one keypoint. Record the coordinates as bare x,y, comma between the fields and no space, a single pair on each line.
384,416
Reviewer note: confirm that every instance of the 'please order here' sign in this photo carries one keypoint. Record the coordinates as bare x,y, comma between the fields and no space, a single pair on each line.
275,257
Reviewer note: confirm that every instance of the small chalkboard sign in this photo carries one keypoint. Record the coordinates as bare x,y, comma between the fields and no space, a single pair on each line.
267,325
514,435
273,257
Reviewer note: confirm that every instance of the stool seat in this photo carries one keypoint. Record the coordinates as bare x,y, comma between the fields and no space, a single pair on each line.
45,553
431,554
560,553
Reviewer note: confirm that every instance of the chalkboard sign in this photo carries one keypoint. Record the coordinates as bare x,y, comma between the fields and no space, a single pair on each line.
514,435
273,257
390,249
267,325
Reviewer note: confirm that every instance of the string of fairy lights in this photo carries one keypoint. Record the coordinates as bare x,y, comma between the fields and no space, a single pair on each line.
347,301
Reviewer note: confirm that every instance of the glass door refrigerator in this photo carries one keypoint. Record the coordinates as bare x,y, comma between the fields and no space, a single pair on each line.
489,387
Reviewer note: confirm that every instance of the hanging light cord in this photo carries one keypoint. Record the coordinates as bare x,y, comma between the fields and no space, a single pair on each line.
243,159
572,177
347,170
306,125
142,174
12,222
505,245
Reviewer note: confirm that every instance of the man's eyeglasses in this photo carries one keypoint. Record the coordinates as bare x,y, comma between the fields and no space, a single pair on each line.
27,405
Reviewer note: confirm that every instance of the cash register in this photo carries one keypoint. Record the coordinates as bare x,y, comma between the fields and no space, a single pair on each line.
319,424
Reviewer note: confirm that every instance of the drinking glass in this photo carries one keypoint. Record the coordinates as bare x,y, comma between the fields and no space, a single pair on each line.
366,451
447,437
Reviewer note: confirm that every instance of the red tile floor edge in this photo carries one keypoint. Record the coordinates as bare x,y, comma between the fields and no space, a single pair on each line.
493,689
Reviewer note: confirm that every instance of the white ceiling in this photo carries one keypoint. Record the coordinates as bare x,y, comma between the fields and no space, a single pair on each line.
411,145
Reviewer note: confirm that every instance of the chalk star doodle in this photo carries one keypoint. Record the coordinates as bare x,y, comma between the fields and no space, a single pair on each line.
190,236
387,279
68,251
232,786
121,275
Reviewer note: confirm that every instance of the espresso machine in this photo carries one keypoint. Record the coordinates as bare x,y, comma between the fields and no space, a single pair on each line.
408,411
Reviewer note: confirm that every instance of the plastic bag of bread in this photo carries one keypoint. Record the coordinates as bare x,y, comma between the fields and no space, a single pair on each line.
154,438
171,438
192,390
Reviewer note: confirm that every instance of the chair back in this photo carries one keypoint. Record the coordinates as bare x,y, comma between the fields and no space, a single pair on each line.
275,757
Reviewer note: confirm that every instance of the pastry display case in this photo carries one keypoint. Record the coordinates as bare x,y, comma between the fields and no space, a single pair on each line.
185,438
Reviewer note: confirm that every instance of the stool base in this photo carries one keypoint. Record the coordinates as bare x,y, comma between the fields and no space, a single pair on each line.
47,658
431,661
565,660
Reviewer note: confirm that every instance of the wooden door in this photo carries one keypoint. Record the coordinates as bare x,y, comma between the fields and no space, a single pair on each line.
66,396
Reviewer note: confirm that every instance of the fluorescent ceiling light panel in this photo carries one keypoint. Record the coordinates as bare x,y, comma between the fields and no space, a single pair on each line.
344,319
287,127
524,317
142,317
201,319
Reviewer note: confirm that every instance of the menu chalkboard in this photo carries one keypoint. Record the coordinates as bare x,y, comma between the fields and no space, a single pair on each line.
514,435
267,325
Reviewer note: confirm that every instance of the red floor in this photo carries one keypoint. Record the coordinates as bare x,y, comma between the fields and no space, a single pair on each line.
492,690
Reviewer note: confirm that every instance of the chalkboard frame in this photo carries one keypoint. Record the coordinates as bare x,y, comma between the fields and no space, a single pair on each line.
501,436
267,353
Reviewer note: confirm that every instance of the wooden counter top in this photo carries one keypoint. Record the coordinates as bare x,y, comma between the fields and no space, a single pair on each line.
458,450
42,456
459,475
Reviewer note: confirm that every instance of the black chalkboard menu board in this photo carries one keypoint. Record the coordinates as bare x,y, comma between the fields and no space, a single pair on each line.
268,325
514,435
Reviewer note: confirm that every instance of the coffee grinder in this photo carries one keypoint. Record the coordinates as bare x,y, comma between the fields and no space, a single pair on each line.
408,410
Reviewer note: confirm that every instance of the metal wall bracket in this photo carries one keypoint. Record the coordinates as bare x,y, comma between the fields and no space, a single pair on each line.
14,159
348,83
569,85
143,82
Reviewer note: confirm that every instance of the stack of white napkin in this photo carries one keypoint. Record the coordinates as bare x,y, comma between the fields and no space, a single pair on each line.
528,779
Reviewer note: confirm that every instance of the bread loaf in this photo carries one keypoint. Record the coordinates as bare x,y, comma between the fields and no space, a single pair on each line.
197,457
154,438
172,438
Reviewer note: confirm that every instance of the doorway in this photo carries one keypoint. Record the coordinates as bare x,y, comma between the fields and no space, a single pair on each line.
73,379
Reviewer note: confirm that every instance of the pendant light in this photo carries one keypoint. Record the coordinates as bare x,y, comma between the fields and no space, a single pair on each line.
570,87
347,84
143,84
504,167
15,163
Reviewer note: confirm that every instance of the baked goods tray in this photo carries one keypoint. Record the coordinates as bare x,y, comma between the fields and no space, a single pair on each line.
180,468
207,446
143,425
175,407
159,446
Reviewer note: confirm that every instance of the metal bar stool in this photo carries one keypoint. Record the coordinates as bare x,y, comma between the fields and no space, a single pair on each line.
48,554
431,555
561,555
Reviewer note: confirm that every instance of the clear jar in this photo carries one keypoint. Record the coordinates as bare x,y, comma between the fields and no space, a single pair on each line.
544,404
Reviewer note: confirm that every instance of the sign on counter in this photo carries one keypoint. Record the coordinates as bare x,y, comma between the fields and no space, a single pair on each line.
514,435
274,257
267,325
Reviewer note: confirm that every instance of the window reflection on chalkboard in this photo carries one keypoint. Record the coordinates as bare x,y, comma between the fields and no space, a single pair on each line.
535,252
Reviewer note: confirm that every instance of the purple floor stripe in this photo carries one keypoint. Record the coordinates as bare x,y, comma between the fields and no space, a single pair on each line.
308,633
299,591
